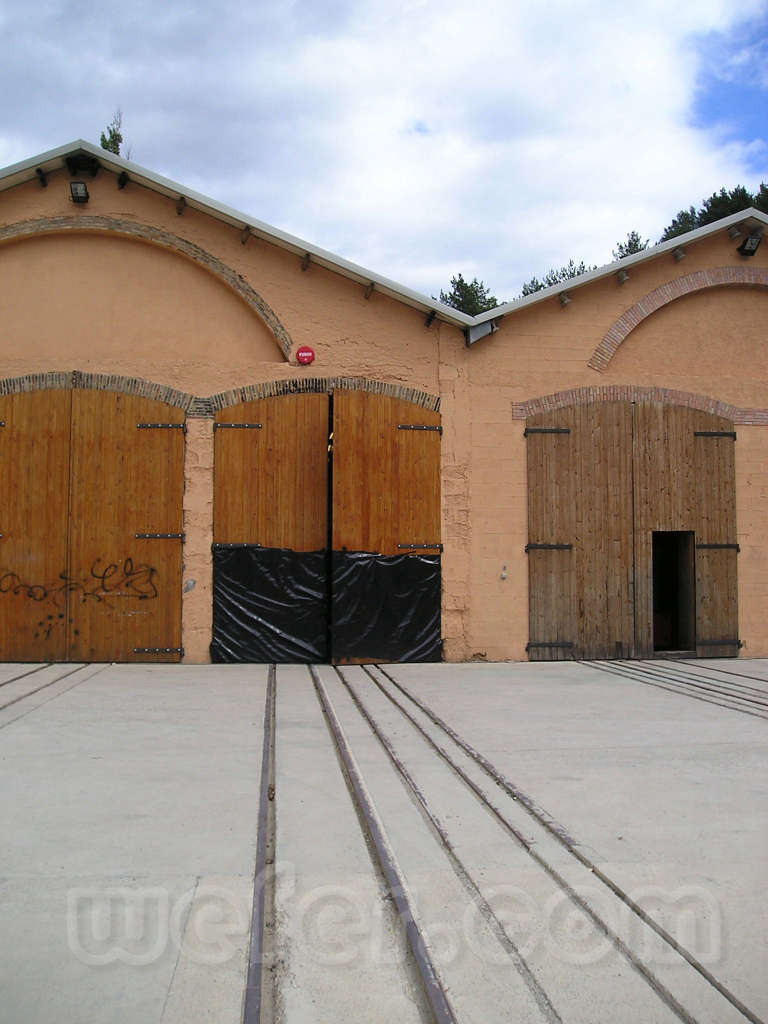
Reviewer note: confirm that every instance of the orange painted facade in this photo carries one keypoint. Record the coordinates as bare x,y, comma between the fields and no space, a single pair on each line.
127,286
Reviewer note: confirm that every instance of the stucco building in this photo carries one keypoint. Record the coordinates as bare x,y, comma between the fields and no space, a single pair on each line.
217,438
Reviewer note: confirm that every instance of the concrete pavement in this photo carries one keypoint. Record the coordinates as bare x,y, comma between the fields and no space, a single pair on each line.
129,802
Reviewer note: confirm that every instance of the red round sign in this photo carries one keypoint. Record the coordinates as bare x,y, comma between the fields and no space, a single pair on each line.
305,355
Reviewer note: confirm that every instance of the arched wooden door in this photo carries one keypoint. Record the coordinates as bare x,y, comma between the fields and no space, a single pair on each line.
327,530
632,532
91,487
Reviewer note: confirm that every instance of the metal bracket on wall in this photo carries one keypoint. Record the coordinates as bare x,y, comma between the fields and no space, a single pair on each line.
546,430
237,426
159,650
548,547
552,643
432,547
162,426
160,536
718,547
715,433
418,426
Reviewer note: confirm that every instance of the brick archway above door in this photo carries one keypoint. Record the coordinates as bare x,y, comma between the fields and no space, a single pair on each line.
717,277
638,393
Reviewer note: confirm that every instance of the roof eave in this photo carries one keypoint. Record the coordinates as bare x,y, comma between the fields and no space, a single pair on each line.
55,159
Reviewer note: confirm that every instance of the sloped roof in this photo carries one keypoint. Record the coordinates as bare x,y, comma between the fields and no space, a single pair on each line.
474,327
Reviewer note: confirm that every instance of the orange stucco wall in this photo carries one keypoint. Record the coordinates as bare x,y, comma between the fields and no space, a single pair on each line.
107,303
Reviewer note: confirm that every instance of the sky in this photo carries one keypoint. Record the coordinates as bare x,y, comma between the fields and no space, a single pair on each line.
419,139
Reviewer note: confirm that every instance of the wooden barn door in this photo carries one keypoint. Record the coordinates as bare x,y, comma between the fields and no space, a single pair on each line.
82,489
580,532
125,528
615,489
319,558
684,481
271,530
34,496
385,603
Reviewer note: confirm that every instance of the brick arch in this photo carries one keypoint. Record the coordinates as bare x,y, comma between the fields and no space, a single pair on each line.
251,392
636,393
65,379
717,277
166,240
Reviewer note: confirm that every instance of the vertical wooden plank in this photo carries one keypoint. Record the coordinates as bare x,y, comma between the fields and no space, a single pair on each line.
386,480
716,568
271,483
125,592
552,483
34,488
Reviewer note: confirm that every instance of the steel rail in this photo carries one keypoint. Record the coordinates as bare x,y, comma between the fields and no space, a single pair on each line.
569,844
433,986
253,986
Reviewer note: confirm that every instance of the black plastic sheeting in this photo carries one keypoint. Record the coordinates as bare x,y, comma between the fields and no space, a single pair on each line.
269,604
386,607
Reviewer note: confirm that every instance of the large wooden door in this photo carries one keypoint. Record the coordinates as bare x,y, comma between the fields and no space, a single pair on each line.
386,530
322,558
580,532
684,479
270,559
602,480
34,496
86,478
125,528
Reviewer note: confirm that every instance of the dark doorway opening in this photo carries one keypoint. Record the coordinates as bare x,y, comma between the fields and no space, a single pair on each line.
674,591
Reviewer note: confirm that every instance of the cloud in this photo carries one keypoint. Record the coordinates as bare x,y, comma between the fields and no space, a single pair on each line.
417,138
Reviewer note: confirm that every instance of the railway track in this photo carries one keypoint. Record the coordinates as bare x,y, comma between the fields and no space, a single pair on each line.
689,679
24,689
492,910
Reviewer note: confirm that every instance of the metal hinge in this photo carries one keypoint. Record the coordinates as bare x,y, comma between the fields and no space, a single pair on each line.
218,546
548,547
718,547
159,650
433,547
720,643
237,426
162,426
715,433
418,426
160,536
546,430
551,643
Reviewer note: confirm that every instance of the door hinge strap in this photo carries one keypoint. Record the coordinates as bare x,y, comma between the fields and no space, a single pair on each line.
548,547
159,650
719,643
434,547
220,545
715,433
548,643
418,426
546,430
237,426
160,536
718,547
162,426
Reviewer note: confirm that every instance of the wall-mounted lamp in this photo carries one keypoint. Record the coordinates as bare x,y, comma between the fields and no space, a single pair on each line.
79,191
565,298
623,276
679,254
750,244
734,232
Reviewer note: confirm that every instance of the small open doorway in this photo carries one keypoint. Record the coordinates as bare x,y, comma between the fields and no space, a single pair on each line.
674,591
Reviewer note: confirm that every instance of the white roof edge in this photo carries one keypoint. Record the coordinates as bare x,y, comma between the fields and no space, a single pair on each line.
678,242
54,159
